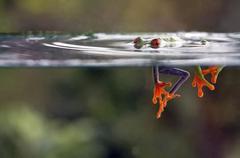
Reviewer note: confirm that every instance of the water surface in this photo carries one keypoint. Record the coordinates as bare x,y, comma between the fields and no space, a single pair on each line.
104,50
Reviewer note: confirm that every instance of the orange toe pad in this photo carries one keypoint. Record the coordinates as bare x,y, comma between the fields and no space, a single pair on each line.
213,70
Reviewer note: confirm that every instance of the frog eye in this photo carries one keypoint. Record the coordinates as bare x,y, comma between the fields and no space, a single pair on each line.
155,43
137,40
138,43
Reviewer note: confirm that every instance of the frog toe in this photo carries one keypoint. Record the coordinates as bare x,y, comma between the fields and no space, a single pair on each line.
161,96
214,71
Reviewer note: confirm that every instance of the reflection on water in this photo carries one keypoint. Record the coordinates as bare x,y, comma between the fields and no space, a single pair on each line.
117,50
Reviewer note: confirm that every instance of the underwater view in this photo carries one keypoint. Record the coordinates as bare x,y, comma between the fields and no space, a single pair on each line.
119,79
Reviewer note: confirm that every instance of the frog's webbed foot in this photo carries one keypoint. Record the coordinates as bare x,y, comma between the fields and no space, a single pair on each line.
214,71
199,82
162,96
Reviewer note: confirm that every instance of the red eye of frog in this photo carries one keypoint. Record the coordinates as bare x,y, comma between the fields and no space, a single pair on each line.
155,43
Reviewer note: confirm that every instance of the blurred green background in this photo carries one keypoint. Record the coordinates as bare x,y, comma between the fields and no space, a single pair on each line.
107,112
119,15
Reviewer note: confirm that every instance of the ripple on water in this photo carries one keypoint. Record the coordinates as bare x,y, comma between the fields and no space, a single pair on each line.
102,49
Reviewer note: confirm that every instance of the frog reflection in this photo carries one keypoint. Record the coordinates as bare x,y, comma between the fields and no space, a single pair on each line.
160,94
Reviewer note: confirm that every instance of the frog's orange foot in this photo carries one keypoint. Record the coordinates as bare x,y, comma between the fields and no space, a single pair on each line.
200,83
159,90
213,70
164,102
162,96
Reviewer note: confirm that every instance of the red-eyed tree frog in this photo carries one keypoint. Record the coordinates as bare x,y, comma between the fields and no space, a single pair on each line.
160,94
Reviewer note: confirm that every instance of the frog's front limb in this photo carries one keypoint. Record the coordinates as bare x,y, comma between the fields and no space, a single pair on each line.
199,80
160,94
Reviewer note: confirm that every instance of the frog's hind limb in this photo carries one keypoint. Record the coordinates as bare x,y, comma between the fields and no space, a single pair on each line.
160,94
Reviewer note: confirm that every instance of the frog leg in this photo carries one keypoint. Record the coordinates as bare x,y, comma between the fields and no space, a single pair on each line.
160,94
199,80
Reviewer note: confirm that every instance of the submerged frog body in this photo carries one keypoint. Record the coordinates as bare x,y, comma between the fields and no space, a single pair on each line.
160,94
